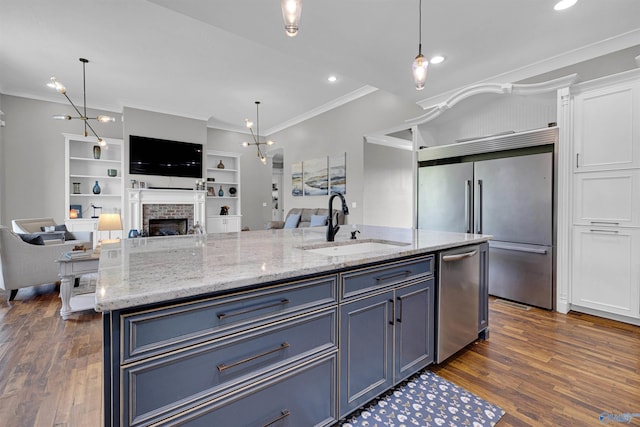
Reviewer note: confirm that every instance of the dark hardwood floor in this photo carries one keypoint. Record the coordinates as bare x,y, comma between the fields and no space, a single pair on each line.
541,367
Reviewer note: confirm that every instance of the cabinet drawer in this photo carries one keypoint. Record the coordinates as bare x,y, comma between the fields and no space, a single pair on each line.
303,397
160,330
366,280
155,389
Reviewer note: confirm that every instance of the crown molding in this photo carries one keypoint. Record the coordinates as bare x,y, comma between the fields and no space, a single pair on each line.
351,96
562,60
390,141
434,111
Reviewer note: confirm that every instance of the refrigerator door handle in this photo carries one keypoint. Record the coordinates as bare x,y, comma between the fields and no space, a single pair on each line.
468,206
479,206
518,248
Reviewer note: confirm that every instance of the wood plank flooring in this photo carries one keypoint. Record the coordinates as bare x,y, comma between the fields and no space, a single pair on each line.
543,368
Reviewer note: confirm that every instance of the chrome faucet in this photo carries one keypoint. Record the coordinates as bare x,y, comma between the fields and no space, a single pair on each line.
331,229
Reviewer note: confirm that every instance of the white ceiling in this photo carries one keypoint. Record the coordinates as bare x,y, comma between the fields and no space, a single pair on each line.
211,59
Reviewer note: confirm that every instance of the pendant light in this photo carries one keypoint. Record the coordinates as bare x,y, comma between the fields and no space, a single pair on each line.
420,64
256,136
55,84
291,14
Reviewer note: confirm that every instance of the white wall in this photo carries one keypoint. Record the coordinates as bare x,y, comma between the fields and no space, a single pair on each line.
338,131
33,156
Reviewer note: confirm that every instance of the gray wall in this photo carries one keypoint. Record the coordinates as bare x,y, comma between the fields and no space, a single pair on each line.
338,131
165,126
389,186
33,156
255,178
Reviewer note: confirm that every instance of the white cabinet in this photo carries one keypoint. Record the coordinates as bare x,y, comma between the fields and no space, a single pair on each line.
606,271
83,171
223,224
607,127
223,189
605,274
607,198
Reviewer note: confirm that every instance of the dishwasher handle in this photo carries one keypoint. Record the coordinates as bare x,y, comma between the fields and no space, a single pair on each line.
458,257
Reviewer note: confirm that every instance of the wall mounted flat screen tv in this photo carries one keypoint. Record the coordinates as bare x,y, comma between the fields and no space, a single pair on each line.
153,156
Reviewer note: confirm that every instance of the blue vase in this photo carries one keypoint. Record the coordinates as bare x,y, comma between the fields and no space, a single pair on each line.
96,188
221,192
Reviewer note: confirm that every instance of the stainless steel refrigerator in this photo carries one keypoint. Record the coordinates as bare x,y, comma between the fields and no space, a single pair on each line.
506,193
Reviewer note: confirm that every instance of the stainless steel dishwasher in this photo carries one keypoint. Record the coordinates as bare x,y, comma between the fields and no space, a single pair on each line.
458,300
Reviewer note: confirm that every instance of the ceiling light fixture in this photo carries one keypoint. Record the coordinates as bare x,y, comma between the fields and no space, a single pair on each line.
332,79
55,84
564,4
291,13
436,59
420,63
256,136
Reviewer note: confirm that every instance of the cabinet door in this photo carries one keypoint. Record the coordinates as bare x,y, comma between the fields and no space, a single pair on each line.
414,322
216,225
366,333
607,198
606,128
233,224
606,271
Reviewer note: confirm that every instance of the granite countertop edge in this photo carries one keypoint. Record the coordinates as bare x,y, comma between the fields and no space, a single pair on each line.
139,272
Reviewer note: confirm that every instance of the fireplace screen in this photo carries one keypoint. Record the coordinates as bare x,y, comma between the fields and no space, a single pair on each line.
168,227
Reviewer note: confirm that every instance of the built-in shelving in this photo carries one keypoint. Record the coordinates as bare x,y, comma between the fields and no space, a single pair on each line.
226,178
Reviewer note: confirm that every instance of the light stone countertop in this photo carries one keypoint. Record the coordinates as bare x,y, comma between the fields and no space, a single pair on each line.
143,271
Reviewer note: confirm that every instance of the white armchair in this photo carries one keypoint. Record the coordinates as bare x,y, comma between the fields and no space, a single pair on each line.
23,264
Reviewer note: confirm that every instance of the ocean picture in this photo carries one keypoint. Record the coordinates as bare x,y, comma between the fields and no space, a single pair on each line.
296,179
338,173
316,182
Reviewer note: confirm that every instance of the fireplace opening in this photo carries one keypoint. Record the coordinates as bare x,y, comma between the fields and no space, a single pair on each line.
168,227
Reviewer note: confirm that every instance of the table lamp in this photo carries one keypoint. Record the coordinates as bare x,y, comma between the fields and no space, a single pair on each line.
109,222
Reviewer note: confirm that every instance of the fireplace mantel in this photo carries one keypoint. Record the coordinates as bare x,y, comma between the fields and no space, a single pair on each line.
143,196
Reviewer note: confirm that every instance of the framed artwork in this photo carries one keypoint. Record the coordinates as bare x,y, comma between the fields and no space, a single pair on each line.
316,179
75,211
296,179
338,173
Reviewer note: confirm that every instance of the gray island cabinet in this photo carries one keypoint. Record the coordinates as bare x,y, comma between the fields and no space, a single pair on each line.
254,329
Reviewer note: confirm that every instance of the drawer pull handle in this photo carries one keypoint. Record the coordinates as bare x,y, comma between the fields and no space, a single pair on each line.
283,414
399,318
404,273
458,257
594,230
605,222
222,367
256,308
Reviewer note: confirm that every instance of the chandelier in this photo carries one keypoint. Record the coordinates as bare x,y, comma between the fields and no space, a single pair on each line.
256,135
291,14
420,63
55,84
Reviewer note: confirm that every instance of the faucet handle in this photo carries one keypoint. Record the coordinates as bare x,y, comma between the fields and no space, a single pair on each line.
353,234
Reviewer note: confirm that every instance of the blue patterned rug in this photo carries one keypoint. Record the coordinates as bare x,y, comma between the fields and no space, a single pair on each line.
427,400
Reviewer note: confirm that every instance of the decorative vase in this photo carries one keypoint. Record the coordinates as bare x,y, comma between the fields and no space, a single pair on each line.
96,151
76,188
96,188
220,165
221,192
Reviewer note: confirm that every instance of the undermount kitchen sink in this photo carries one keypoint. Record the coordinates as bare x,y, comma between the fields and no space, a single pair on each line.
353,247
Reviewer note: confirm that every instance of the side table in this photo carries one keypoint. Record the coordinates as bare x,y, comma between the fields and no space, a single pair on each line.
69,270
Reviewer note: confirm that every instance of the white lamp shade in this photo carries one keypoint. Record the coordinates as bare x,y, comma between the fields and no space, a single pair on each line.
109,222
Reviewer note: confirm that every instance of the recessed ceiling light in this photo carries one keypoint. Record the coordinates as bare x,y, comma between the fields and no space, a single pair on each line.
564,4
436,59
332,79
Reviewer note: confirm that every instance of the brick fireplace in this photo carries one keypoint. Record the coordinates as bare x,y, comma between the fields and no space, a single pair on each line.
146,203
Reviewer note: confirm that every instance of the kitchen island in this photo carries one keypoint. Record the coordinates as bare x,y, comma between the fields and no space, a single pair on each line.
274,327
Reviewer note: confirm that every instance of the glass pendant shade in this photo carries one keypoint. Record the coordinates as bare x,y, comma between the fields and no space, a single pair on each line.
291,10
419,68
